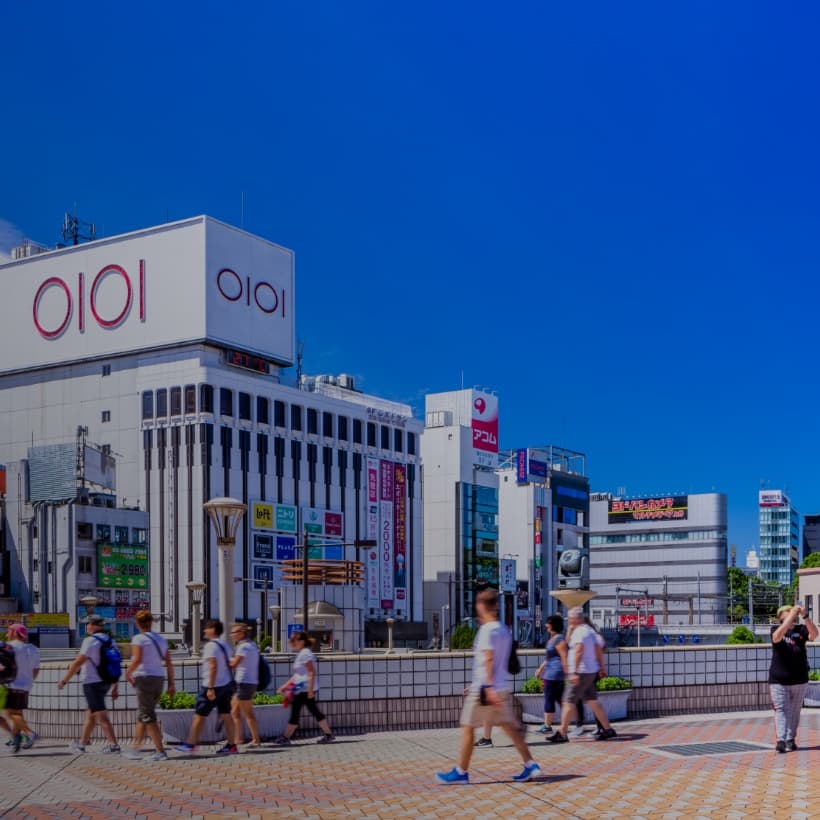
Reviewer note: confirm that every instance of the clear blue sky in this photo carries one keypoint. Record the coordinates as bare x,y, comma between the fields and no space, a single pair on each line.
608,213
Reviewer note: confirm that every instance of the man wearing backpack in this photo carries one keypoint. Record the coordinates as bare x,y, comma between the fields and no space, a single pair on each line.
90,664
488,697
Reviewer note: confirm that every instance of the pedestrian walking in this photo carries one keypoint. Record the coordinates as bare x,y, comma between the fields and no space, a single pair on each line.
583,668
489,697
789,672
553,670
600,645
245,665
27,661
147,671
304,685
216,692
92,664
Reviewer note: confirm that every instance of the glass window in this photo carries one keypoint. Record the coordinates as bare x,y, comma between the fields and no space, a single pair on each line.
84,530
106,416
139,535
103,532
385,438
120,535
279,413
398,441
312,421
357,431
411,444
176,401
190,399
162,403
342,428
244,407
262,410
225,401
206,398
371,434
147,404
84,564
295,417
327,425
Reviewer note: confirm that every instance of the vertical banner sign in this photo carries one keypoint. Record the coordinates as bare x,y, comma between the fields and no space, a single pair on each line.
400,537
386,502
485,429
373,591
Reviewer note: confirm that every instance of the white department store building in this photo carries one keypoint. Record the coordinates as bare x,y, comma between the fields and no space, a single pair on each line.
167,346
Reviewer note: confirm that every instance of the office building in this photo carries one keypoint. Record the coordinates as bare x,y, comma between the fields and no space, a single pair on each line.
779,537
811,535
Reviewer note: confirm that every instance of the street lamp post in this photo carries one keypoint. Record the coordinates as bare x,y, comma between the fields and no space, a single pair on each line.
225,515
444,609
195,590
391,622
275,612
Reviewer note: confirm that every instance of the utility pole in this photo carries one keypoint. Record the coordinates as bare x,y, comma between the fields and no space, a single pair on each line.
751,605
700,618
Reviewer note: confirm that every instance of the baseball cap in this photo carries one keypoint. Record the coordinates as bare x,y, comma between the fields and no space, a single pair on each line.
95,619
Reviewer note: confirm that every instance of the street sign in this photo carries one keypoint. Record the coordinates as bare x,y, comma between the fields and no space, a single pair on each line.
294,628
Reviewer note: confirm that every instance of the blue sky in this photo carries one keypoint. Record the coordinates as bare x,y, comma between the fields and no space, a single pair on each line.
608,213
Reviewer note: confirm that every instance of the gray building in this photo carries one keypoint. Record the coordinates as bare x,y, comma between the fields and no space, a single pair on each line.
658,559
811,534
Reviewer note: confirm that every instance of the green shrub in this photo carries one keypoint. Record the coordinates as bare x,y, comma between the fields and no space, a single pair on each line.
181,700
533,686
264,643
814,674
463,637
612,684
742,634
264,699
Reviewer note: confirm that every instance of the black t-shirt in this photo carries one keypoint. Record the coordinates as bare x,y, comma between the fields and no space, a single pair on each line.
790,664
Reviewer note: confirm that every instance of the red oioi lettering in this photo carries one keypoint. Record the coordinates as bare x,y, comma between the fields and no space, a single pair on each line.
261,295
106,322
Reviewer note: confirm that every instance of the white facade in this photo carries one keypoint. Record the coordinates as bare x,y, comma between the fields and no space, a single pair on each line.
184,389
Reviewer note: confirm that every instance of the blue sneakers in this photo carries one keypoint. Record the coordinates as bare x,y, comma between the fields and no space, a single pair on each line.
453,777
527,773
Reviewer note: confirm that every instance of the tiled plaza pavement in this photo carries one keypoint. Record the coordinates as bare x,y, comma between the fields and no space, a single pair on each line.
390,775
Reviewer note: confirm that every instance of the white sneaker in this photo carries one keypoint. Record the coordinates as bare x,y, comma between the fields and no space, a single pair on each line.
110,749
75,747
131,754
576,731
157,756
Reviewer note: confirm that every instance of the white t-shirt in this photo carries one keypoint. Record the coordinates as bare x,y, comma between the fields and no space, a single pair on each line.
587,637
496,638
300,670
27,657
91,647
154,648
248,669
223,673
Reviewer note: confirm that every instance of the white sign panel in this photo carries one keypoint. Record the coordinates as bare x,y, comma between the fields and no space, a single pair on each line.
506,567
187,281
772,498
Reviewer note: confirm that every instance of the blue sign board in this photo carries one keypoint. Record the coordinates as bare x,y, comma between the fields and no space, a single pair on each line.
294,628
263,573
285,547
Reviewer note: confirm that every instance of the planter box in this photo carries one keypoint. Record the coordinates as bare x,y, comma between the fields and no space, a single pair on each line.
176,724
614,702
812,697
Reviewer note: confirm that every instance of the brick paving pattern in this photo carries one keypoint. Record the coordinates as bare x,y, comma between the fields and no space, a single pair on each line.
390,775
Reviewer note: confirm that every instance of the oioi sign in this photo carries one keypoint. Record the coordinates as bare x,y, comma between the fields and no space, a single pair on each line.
193,281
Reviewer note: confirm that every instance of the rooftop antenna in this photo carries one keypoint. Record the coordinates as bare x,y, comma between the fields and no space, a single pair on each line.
300,355
75,230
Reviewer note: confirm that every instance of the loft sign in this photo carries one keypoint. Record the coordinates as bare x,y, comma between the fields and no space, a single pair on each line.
86,297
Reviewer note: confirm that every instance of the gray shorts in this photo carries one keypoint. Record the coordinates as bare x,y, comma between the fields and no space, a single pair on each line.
475,715
245,691
583,689
149,688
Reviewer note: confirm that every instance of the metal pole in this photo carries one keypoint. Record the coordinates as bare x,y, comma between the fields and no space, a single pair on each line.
751,606
226,601
305,577
195,627
265,609
700,617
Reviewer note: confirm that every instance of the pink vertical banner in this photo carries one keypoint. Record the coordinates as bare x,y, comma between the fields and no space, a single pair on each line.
372,522
400,538
386,534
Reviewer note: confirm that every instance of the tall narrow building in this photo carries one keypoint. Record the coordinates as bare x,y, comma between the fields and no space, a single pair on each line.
779,537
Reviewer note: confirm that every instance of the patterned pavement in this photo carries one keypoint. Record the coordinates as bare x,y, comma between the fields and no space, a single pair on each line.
390,775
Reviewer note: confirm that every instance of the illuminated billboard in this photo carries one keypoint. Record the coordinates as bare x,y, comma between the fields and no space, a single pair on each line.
122,566
662,508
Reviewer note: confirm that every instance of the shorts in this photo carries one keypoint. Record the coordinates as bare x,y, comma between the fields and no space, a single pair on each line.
553,693
475,715
149,688
245,691
584,689
17,700
222,701
95,695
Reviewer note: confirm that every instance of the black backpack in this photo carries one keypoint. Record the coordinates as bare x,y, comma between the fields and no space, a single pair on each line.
513,663
8,663
264,674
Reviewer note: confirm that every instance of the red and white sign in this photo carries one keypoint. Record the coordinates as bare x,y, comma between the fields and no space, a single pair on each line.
400,537
386,534
373,591
772,498
485,428
636,620
190,281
